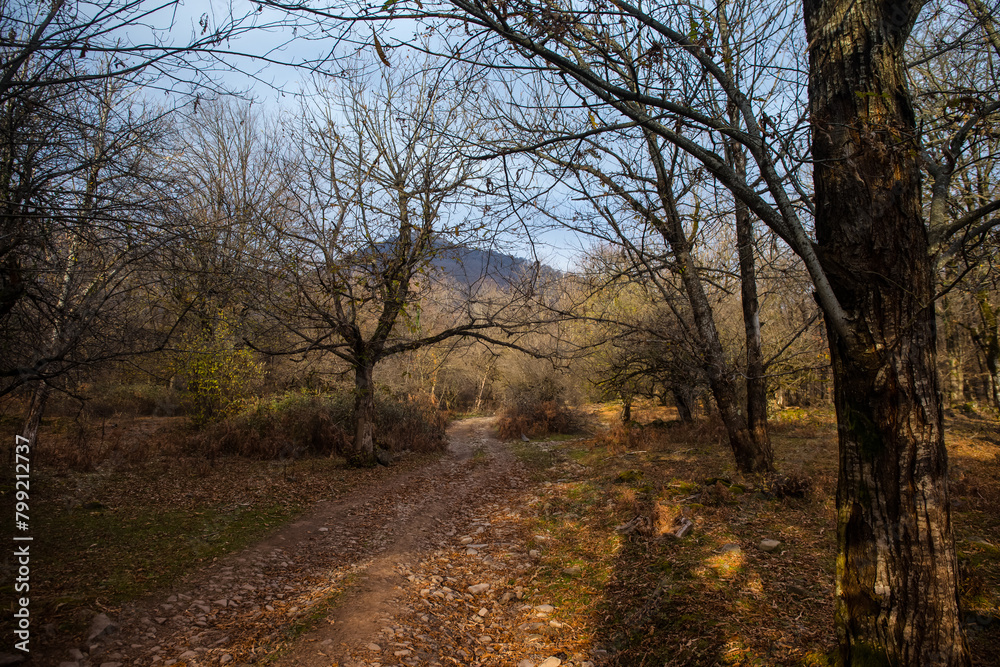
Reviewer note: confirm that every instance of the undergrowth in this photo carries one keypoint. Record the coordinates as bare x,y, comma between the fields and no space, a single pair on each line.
298,424
538,419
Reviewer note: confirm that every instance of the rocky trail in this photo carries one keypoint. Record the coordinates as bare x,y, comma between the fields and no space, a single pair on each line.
432,568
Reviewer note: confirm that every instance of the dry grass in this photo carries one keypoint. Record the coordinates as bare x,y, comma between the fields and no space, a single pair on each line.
714,597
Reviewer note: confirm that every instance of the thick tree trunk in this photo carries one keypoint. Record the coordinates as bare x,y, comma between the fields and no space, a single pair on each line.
684,400
626,415
897,576
363,452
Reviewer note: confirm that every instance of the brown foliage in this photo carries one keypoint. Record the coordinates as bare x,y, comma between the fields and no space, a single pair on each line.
538,419
298,424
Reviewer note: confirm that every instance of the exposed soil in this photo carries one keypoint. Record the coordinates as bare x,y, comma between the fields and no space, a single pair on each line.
377,576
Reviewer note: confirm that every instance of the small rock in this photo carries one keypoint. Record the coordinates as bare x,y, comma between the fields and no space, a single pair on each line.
485,639
482,611
383,457
471,552
101,626
685,527
525,663
324,529
402,653
373,647
466,540
768,546
730,548
476,589
551,661
226,659
573,571
545,609
187,655
534,553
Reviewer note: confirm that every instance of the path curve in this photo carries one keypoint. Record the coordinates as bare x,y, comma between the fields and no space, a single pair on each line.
379,576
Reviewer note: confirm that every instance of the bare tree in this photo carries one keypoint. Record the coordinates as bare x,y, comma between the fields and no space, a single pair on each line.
89,218
387,199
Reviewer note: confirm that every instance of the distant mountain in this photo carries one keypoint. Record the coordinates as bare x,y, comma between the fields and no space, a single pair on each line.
470,266
473,268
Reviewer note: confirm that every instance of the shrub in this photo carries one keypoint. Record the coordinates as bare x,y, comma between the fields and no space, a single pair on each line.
140,400
220,376
538,419
297,424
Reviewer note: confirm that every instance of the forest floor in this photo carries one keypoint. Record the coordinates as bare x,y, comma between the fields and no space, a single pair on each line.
528,553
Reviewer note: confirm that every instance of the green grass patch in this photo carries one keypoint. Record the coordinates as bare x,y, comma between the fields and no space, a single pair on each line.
118,555
534,457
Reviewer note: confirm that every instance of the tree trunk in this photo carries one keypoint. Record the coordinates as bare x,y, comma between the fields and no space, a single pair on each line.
751,456
684,400
756,382
363,452
988,339
954,381
33,420
897,575
626,415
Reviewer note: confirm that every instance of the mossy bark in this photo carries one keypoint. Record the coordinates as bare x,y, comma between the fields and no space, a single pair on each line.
897,576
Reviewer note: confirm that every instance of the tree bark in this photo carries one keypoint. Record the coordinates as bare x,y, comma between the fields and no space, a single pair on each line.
626,415
756,383
954,380
363,452
33,420
751,455
897,575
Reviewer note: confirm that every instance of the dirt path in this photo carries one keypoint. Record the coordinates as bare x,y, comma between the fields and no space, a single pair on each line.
432,568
